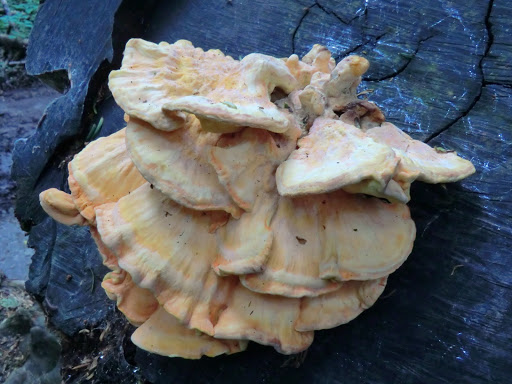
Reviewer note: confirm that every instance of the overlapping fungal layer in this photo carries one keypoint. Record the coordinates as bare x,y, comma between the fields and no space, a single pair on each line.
252,200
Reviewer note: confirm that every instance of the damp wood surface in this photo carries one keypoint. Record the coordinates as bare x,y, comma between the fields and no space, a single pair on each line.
439,70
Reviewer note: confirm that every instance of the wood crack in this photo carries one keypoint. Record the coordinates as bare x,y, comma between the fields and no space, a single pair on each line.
340,19
486,83
368,39
403,67
306,12
480,69
372,39
490,40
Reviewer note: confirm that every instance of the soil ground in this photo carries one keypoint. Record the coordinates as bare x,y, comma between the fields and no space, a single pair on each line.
20,111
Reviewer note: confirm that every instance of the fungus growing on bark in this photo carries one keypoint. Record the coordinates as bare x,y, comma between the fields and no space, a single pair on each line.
244,200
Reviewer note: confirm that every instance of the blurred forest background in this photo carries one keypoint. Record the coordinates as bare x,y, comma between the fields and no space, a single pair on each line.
23,100
16,21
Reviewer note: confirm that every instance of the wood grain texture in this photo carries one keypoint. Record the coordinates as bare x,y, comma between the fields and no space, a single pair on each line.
441,71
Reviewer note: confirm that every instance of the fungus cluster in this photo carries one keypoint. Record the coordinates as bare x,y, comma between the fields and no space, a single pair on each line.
246,200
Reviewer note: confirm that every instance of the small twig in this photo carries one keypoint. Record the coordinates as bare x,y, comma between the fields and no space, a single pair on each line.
296,360
104,332
93,365
366,92
455,268
80,366
19,62
14,346
14,283
93,278
389,294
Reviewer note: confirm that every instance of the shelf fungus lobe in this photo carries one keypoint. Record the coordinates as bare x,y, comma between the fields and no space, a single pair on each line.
247,200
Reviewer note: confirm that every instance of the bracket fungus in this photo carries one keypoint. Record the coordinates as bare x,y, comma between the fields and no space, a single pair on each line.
246,200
